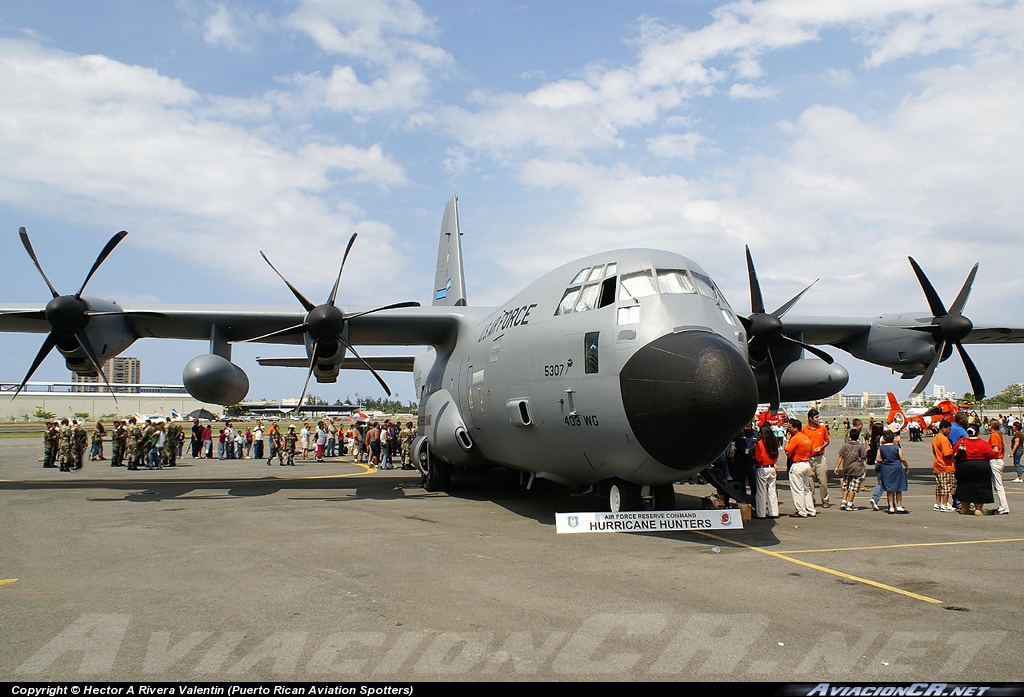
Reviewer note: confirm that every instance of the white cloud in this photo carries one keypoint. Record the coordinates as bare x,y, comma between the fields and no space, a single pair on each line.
745,90
681,145
100,133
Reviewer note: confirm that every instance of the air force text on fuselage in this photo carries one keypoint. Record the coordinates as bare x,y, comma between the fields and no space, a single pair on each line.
508,318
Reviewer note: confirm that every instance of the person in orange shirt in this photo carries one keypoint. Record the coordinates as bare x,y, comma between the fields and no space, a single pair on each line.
995,439
944,469
818,433
798,455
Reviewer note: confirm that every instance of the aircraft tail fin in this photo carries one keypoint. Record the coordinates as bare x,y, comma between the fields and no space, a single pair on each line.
896,416
450,278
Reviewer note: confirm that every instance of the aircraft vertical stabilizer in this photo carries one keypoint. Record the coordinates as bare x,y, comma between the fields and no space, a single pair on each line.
450,278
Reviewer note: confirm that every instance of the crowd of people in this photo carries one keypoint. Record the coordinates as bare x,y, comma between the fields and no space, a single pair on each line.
968,469
156,444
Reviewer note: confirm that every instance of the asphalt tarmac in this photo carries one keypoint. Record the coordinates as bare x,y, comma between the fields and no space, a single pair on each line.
233,570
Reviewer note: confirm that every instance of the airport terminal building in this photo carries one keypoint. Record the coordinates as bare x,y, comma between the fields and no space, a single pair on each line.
69,399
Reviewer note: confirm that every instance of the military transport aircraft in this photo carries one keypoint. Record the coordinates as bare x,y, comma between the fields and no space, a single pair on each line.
622,372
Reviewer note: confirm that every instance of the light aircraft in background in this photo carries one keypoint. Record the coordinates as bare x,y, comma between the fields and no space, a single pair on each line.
925,416
766,415
143,418
621,373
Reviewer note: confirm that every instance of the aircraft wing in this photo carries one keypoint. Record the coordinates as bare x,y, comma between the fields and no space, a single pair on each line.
837,331
401,364
415,326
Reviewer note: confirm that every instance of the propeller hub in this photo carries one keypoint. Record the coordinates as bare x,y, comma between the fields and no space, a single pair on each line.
953,328
325,322
66,314
764,328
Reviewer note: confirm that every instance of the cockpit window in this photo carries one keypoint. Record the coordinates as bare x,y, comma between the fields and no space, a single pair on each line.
593,287
633,286
581,276
674,281
705,285
568,301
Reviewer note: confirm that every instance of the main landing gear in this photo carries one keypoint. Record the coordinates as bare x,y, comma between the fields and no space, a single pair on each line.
437,474
627,496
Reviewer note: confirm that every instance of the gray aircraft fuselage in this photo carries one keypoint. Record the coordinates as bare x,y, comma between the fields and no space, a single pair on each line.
649,385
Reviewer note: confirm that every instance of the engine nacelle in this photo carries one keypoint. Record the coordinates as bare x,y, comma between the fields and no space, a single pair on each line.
803,380
445,430
215,380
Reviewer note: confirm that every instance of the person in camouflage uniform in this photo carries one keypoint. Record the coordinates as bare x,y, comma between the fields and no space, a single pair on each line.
405,444
80,442
51,437
171,443
118,440
64,445
276,446
134,443
290,440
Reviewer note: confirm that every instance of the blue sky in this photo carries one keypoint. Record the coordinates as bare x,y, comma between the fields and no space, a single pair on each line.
835,138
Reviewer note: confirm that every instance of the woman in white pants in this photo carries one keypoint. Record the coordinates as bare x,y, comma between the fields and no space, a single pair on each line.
995,439
766,454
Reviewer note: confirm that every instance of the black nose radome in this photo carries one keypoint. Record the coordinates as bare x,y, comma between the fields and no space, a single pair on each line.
686,396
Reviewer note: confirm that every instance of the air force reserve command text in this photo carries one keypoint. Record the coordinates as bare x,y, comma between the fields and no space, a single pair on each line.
227,690
654,521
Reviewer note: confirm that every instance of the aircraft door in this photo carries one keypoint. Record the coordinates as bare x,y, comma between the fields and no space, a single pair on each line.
473,383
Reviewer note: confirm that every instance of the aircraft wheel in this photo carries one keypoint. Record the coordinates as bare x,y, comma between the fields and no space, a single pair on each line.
437,474
664,497
623,496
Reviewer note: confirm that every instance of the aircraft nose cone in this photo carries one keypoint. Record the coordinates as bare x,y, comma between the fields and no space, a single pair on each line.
686,396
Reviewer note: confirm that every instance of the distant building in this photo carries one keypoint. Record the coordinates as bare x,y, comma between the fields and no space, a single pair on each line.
118,371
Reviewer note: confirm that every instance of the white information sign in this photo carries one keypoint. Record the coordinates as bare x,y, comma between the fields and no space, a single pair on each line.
650,521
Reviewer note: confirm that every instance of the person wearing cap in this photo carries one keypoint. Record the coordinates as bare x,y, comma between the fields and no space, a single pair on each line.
290,439
818,434
973,473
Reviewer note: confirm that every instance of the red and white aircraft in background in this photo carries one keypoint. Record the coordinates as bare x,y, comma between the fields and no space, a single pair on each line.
925,416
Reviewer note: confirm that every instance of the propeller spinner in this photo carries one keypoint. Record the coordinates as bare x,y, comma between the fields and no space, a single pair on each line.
765,329
324,324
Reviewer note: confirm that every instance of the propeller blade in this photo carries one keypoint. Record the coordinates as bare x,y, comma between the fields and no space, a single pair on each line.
934,302
355,353
792,301
32,255
811,349
121,313
297,329
334,291
48,343
774,391
104,253
756,300
923,382
312,365
961,298
393,306
83,341
306,305
26,314
977,385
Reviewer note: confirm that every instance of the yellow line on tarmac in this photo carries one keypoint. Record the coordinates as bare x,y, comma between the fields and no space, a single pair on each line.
903,546
5,581
816,567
